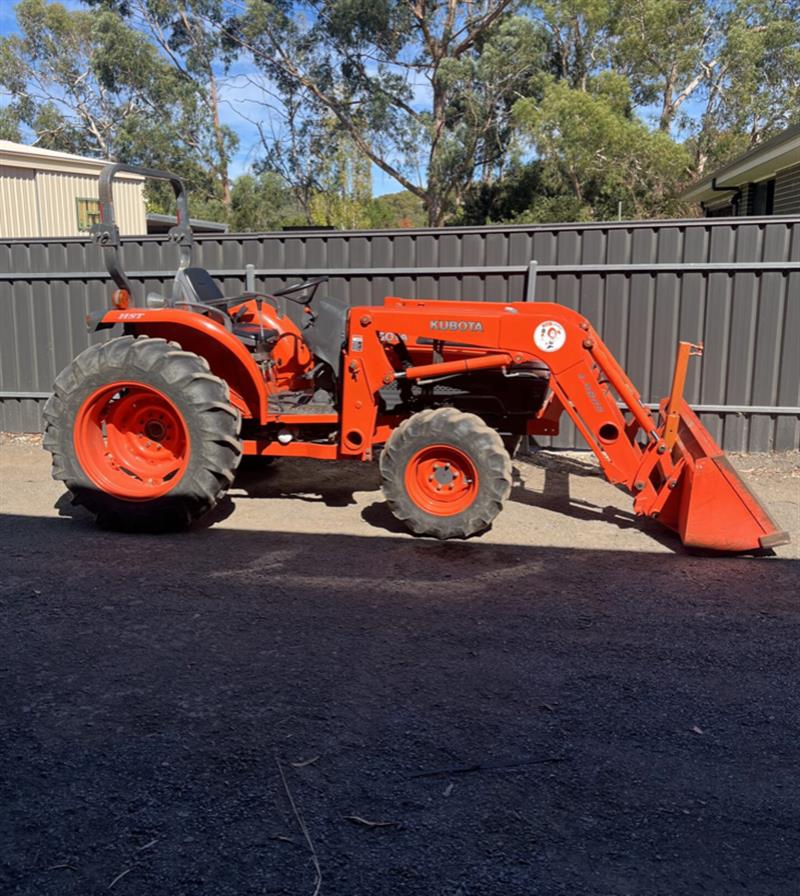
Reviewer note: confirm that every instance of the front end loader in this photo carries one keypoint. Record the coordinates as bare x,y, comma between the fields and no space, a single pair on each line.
147,429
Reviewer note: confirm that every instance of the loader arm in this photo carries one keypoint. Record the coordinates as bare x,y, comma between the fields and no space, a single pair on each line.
673,467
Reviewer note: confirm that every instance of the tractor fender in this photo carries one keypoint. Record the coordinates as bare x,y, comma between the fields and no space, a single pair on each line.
226,356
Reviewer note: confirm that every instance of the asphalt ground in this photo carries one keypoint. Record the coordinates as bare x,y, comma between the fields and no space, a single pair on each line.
299,691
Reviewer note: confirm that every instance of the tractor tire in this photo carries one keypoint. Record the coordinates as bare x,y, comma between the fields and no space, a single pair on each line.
142,434
445,473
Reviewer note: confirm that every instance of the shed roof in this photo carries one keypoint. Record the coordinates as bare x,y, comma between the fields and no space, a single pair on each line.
22,156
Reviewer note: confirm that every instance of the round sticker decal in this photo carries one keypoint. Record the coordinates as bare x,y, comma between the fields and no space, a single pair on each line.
549,336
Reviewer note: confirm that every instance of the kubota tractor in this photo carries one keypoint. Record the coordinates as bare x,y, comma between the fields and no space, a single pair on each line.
147,429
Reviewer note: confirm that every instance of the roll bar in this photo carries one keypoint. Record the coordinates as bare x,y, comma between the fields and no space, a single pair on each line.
106,233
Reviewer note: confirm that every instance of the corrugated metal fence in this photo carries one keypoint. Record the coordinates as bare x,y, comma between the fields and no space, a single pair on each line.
732,283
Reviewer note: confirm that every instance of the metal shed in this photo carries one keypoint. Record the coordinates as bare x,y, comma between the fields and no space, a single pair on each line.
55,194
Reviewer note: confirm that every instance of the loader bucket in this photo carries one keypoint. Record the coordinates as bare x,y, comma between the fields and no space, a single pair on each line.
710,506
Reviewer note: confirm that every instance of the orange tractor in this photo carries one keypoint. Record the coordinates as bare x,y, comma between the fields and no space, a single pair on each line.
147,429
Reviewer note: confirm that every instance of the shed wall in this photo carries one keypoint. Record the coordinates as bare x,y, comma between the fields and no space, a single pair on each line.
19,209
43,203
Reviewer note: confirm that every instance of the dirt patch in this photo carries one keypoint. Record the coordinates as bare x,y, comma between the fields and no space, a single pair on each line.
571,704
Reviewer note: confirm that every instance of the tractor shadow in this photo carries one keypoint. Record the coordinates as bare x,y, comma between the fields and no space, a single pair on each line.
541,480
297,479
555,471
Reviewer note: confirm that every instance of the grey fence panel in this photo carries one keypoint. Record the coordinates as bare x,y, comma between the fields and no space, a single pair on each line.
732,283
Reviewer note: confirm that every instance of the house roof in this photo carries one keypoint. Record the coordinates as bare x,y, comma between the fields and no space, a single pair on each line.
759,163
21,156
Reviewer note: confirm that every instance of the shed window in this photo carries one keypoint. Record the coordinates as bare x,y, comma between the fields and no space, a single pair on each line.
88,213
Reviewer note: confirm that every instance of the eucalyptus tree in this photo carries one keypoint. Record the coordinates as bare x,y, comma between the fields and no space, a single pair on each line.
422,88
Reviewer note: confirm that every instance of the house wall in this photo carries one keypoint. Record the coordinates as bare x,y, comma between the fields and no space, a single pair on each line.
746,200
787,191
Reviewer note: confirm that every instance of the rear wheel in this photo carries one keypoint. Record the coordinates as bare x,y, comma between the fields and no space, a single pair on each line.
445,473
142,434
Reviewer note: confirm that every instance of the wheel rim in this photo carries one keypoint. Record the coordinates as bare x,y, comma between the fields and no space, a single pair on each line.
442,480
131,441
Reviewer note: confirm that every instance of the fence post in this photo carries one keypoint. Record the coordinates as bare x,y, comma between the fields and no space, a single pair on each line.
530,283
250,278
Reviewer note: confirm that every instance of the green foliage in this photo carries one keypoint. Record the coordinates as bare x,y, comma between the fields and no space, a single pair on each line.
580,36
422,89
263,202
760,83
587,144
192,41
9,125
344,187
394,210
505,198
64,84
662,47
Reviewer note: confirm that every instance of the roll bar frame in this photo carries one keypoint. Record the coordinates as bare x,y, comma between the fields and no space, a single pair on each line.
106,233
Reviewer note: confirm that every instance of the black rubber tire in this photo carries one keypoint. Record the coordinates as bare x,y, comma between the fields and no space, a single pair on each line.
203,401
469,434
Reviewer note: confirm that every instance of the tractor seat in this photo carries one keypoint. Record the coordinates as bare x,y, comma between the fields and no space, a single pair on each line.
198,286
200,289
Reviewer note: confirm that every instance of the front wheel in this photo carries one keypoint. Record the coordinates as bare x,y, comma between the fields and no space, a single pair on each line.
142,434
445,473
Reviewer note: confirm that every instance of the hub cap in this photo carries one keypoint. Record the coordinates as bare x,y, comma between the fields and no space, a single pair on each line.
131,441
442,480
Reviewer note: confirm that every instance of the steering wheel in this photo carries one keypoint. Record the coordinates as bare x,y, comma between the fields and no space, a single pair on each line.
228,302
313,284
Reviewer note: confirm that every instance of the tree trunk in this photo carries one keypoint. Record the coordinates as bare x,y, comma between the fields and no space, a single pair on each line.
434,203
219,139
667,107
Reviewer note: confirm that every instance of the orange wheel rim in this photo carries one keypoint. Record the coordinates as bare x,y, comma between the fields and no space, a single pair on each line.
131,441
441,480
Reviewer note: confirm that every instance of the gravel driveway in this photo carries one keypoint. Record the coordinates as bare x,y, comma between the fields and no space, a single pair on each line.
571,704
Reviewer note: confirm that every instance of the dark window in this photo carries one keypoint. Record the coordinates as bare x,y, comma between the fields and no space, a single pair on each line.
762,197
88,213
721,211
